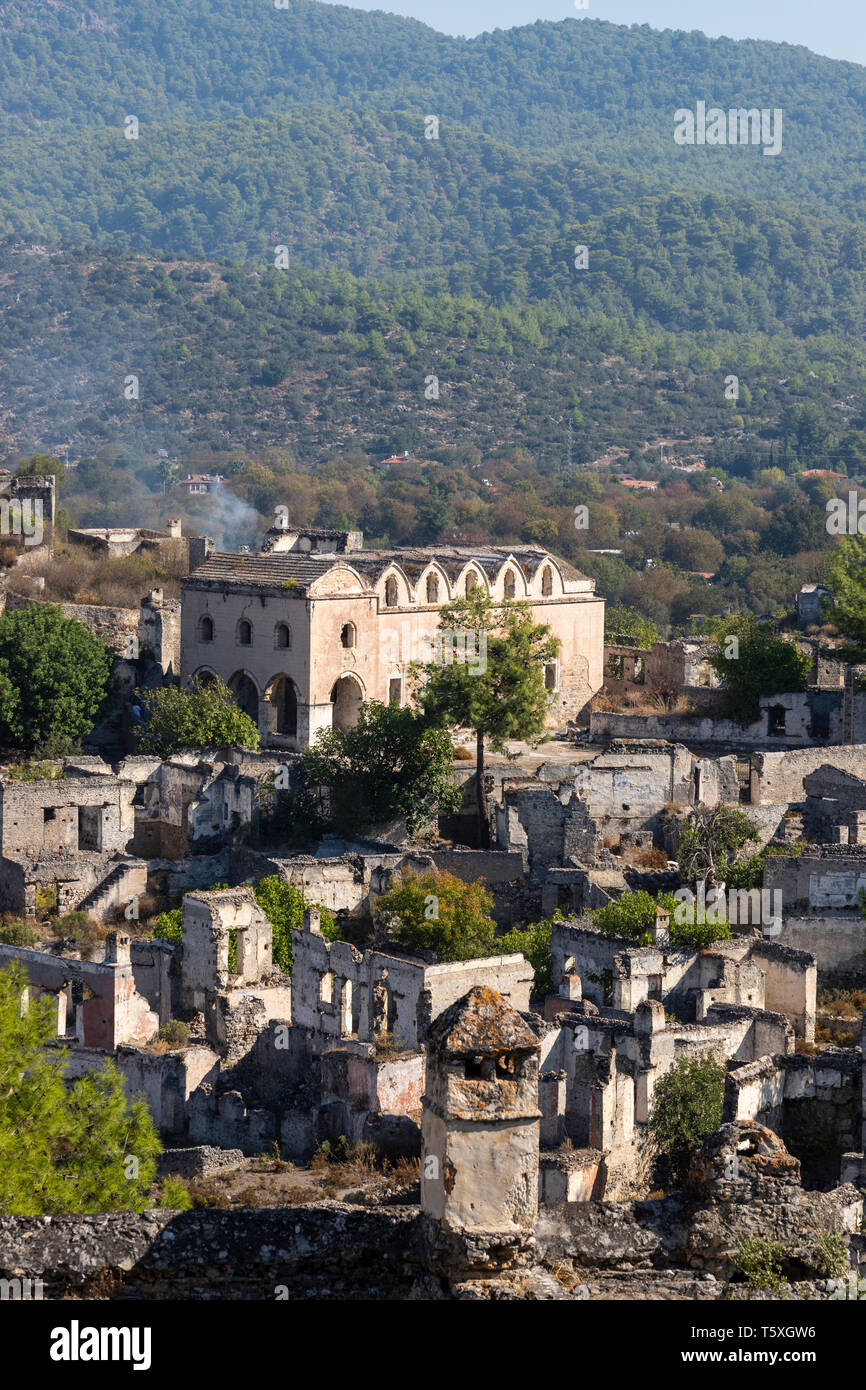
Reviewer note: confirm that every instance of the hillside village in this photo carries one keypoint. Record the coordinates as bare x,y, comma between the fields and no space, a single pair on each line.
477,1127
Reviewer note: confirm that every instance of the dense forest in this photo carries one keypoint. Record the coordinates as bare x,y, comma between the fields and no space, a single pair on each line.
548,294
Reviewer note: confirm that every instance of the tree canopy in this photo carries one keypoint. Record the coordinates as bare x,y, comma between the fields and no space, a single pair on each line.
80,1148
391,763
54,678
205,716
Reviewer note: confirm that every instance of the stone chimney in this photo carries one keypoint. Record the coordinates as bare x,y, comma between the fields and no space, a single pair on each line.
175,528
312,920
117,949
661,928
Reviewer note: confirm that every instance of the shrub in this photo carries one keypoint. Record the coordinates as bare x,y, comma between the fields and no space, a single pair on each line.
533,942
436,911
174,1032
759,1259
204,716
687,1106
17,934
830,1255
174,1195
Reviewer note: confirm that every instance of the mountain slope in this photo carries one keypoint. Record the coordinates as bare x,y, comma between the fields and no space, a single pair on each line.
579,88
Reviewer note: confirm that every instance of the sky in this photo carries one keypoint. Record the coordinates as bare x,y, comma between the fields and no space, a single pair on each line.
836,28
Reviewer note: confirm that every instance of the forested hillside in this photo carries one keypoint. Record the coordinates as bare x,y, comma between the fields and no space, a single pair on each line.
580,87
552,291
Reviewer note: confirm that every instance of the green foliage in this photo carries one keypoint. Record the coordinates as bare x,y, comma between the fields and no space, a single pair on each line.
532,941
33,771
710,840
846,580
495,683
205,716
17,934
631,917
628,622
65,1149
391,763
687,1106
54,677
761,664
760,1258
830,1255
436,911
175,1032
284,905
174,1195
169,926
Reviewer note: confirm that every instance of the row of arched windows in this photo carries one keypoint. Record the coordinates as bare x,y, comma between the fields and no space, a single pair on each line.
510,586
244,632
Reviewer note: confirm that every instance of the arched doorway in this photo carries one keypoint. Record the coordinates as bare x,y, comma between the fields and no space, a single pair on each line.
283,697
246,694
346,697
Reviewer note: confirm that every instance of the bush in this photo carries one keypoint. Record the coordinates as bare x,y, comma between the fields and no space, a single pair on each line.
79,928
284,905
533,942
830,1255
632,917
17,934
760,1258
436,911
174,1195
687,1106
205,716
175,1032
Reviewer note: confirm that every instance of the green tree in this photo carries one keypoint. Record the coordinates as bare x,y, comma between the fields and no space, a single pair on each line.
846,580
54,677
632,916
688,1104
84,1148
393,762
205,716
42,466
711,839
628,622
492,680
436,911
533,942
753,662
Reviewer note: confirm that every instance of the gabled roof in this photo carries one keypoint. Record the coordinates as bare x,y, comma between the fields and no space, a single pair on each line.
480,1024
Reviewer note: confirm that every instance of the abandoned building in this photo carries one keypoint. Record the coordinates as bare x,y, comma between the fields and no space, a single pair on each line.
303,635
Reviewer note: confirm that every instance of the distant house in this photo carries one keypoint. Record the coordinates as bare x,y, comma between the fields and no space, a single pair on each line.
645,484
200,484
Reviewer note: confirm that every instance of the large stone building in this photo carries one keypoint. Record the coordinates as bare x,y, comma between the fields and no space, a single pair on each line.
313,625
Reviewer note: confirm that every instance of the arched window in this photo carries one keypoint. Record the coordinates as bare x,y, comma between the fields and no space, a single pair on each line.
205,628
245,633
509,584
432,588
471,581
283,636
347,635
546,580
391,593
550,674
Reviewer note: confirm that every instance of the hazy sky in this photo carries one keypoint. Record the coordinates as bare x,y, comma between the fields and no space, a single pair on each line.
834,27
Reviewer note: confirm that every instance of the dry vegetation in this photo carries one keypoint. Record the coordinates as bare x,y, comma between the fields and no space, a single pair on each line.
341,1171
75,574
